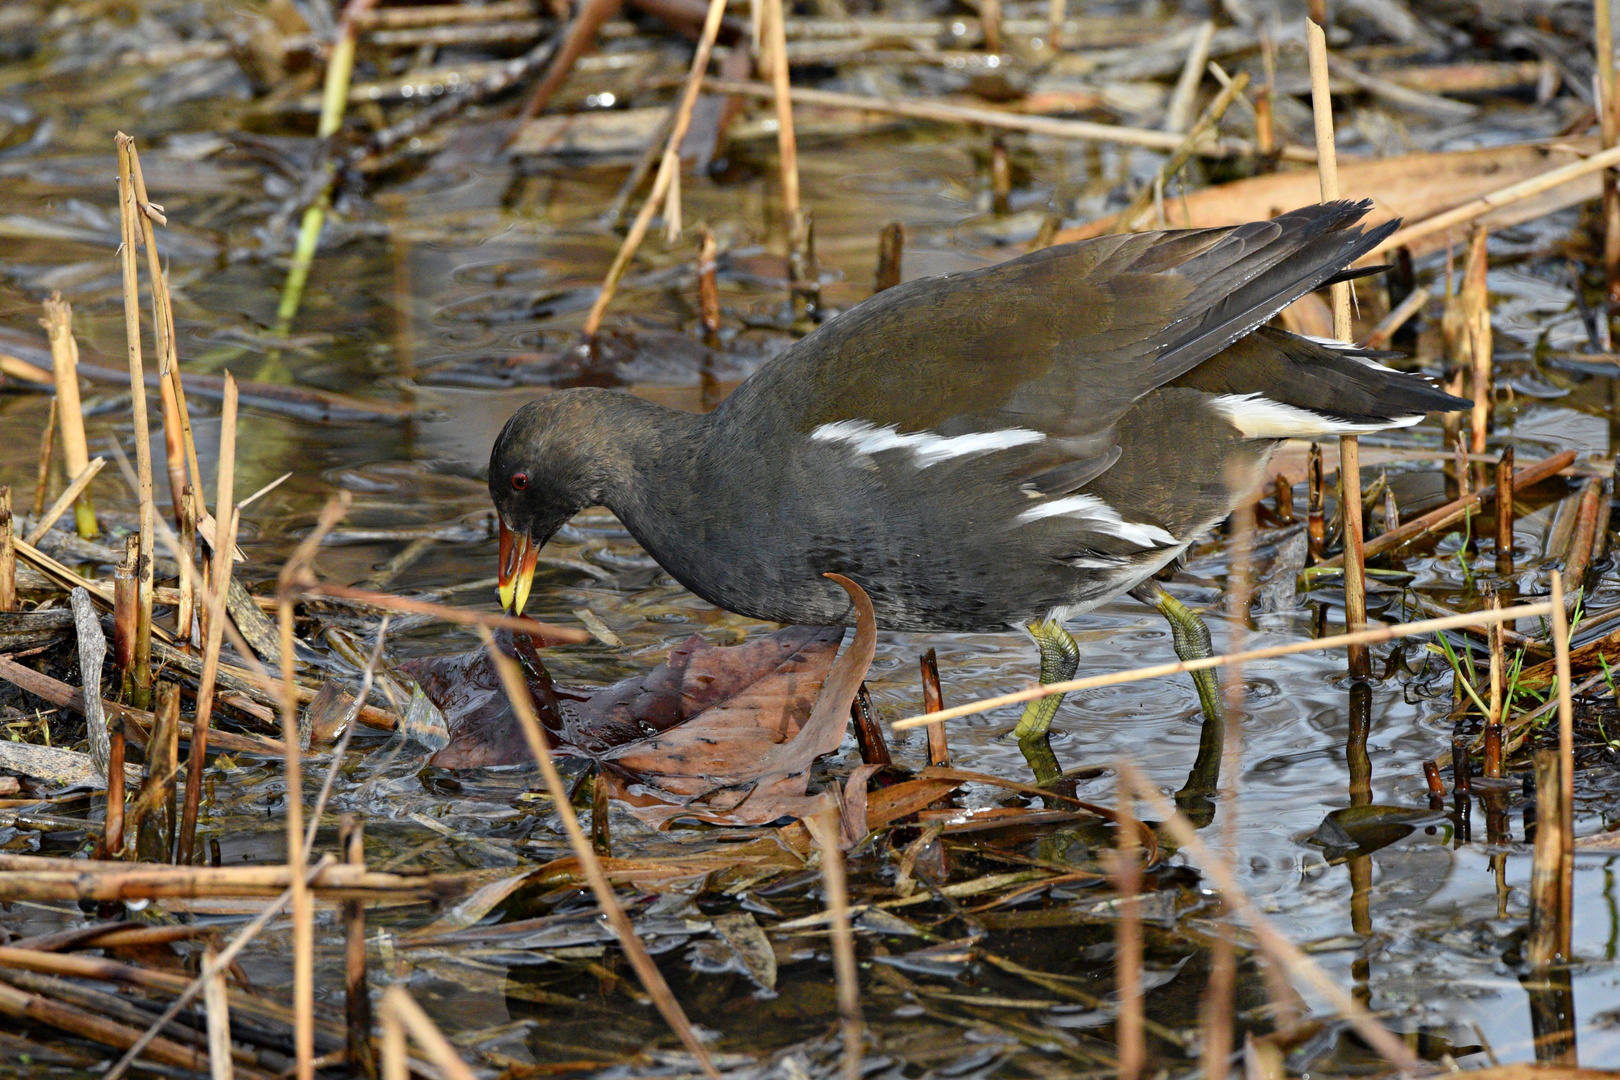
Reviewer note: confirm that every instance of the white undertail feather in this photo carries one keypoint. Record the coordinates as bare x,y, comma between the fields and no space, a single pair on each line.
927,448
1258,417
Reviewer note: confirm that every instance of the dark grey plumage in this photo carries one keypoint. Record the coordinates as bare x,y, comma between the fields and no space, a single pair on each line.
985,448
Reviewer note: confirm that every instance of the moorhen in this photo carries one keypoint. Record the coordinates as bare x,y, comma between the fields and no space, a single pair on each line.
1004,447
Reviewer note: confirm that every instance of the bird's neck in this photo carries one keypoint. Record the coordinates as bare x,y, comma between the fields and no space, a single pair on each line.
658,457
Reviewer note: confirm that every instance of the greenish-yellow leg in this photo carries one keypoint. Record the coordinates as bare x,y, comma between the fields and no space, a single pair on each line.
1192,642
1060,656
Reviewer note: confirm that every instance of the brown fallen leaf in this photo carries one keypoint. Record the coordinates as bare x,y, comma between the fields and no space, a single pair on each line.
723,735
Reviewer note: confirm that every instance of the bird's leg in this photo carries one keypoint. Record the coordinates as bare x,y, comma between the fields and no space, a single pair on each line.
1060,656
1192,642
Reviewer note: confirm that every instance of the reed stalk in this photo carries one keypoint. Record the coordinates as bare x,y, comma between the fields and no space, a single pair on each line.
1476,316
128,211
1056,127
8,555
1315,517
1128,1034
1504,512
126,602
303,913
1582,539
214,618
668,165
399,1007
216,1004
827,831
186,612
1548,941
708,288
891,247
356,995
58,323
48,517
1566,762
47,443
1608,110
939,747
1373,636
652,980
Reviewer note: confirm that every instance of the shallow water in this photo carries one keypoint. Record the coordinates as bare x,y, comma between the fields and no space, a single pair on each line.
460,296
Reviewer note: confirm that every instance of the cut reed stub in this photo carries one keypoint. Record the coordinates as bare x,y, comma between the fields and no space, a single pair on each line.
1504,512
1549,938
891,244
8,555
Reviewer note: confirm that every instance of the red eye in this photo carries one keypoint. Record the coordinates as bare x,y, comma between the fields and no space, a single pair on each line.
520,480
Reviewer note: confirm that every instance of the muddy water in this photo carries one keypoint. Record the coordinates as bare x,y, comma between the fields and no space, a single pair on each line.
459,294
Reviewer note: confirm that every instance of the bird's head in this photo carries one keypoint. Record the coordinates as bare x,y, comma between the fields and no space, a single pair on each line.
554,457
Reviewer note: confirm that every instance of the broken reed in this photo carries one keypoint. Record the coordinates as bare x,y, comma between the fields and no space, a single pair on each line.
132,238
827,829
58,324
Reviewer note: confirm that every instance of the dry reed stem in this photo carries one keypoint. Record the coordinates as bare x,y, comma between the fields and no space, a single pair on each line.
112,832
30,1007
395,1066
774,41
217,967
1373,636
1178,113
1476,316
1504,512
216,1001
1566,760
1315,519
995,118
891,249
1327,167
1609,128
179,448
8,555
214,620
652,980
1548,939
592,14
1128,941
128,212
47,443
1534,473
667,167
708,287
1582,539
1495,200
939,747
357,999
825,829
58,324
65,500
1131,218
398,1005
1403,313
302,912
185,557
1273,943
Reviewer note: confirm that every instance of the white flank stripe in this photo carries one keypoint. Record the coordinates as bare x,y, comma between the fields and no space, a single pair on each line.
864,437
1100,516
1258,417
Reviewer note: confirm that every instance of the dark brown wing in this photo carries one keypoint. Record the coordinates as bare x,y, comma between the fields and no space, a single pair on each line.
1060,342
